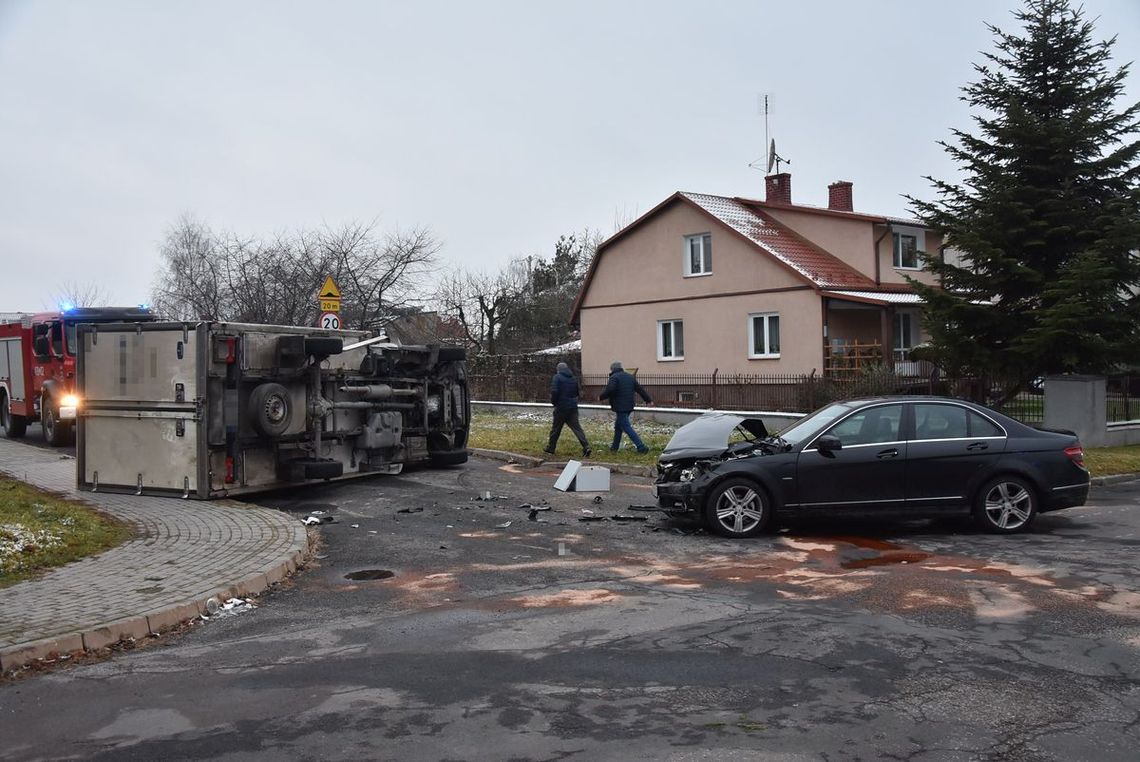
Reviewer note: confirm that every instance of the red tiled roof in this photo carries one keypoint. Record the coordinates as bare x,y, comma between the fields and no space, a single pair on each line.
822,269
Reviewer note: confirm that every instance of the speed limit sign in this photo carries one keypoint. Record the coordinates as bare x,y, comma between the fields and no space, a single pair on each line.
329,321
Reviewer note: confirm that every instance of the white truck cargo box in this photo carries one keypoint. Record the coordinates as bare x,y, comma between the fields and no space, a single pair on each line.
210,409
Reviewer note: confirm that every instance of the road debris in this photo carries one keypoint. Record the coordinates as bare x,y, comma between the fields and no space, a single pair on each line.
215,609
597,499
415,509
487,497
504,525
310,521
620,517
591,518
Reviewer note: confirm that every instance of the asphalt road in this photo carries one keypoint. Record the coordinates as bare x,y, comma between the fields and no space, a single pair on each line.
565,639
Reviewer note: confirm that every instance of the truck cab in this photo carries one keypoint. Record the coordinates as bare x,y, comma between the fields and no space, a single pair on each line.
37,368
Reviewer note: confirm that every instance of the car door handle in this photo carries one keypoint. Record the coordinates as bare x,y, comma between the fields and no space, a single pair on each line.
978,446
891,453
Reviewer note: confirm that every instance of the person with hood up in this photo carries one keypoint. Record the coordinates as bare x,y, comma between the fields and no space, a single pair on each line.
564,398
619,391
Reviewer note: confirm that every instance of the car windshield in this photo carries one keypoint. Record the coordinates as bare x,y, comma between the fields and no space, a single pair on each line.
808,426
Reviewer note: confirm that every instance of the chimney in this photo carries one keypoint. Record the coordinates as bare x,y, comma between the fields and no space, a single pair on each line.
778,188
839,196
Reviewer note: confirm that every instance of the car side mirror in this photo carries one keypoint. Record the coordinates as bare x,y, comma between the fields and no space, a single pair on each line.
42,346
828,443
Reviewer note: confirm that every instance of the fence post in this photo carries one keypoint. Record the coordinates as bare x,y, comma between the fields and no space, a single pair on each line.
715,395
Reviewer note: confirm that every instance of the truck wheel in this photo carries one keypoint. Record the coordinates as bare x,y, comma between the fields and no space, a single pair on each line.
56,432
270,409
14,425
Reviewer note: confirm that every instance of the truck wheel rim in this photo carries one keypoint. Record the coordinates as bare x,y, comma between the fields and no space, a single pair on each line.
739,509
1008,505
276,409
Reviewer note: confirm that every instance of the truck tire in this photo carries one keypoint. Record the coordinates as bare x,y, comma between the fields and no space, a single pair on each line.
56,432
14,425
270,409
452,354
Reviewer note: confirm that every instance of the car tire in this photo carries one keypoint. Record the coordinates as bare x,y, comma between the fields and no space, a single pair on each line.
270,409
1005,504
738,508
15,426
56,432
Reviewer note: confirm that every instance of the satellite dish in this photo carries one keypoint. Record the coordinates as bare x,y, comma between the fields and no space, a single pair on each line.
771,155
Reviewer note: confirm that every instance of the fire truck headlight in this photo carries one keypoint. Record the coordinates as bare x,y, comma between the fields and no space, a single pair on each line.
69,400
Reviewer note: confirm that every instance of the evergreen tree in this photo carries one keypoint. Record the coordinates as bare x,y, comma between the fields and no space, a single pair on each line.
1047,216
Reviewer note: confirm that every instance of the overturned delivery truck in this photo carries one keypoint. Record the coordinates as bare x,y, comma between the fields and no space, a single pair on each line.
204,410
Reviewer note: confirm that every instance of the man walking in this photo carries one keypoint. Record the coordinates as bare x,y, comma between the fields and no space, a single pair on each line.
564,397
619,391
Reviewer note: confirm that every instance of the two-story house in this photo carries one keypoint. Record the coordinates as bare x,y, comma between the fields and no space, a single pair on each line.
705,282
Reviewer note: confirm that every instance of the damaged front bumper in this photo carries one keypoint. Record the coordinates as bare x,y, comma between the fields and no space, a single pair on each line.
679,497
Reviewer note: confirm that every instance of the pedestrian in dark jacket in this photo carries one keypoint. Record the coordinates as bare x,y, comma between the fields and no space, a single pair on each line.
619,391
564,397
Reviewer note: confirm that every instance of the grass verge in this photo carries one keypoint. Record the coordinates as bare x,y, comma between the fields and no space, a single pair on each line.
1109,461
39,531
526,433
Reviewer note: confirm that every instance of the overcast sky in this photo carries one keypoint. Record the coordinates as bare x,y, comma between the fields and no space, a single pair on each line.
498,125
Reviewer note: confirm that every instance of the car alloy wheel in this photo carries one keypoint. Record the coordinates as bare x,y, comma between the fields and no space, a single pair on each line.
1007,505
737,508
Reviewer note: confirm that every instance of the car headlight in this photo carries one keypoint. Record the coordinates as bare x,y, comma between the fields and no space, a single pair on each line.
69,400
688,474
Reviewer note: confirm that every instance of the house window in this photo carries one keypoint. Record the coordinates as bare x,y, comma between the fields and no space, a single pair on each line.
904,335
764,335
698,255
910,244
670,340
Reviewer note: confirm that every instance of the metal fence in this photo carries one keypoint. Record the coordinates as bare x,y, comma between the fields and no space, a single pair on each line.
774,393
1122,398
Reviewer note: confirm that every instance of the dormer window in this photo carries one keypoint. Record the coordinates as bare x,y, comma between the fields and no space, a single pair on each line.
698,254
909,244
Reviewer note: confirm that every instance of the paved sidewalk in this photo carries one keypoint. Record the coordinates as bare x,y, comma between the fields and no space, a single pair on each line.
186,552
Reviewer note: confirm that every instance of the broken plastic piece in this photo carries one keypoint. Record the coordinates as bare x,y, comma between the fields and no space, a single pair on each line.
597,498
415,509
504,525
619,517
310,521
591,518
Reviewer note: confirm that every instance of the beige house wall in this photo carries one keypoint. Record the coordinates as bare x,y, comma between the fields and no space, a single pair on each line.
648,262
716,334
890,275
849,240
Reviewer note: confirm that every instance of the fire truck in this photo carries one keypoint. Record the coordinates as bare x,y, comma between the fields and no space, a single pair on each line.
37,368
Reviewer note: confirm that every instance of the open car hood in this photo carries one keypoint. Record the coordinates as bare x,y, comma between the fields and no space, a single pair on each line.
708,435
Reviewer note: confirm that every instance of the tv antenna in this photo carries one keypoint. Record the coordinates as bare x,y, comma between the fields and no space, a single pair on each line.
772,159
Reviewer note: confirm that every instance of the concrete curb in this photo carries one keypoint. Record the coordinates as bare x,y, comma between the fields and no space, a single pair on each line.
149,623
61,612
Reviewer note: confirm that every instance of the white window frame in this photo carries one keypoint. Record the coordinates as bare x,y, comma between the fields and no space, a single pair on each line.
672,340
903,340
706,255
767,343
919,237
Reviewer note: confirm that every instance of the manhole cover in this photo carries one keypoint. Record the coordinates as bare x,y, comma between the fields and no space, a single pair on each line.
370,574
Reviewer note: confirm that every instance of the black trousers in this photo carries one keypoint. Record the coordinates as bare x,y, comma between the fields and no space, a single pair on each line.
569,418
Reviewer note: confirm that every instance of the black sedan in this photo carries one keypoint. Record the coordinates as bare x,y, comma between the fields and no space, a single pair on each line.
903,455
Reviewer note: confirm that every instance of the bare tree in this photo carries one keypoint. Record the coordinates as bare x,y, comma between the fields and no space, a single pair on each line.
483,303
76,294
211,276
377,276
191,280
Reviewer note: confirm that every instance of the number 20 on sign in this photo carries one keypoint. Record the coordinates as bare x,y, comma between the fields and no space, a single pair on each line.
329,321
